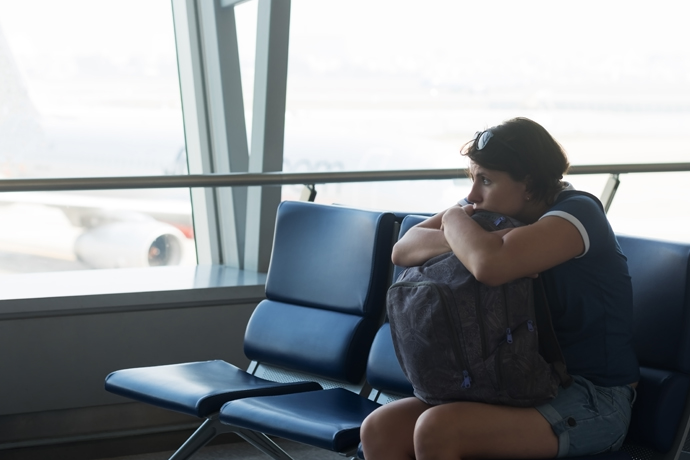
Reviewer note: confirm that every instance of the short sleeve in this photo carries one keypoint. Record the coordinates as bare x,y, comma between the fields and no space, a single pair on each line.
586,214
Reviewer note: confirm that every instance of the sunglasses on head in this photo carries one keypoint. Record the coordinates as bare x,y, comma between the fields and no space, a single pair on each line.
482,138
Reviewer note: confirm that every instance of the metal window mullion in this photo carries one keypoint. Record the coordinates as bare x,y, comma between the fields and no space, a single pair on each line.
227,123
197,137
268,128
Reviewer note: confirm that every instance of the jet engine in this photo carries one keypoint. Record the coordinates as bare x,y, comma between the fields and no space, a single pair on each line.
147,243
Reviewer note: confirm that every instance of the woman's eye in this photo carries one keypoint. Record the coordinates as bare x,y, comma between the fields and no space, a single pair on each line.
485,181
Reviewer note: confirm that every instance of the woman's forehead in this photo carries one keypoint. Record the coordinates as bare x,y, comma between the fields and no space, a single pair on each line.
477,169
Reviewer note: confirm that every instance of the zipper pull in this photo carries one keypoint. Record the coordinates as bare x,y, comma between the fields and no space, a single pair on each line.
467,381
509,336
530,326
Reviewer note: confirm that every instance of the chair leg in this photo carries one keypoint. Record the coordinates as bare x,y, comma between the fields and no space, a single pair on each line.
205,433
212,428
263,443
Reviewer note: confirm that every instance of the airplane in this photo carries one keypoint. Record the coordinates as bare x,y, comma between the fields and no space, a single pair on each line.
118,228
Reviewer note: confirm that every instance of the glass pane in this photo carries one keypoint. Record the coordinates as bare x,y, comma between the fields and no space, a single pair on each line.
90,88
399,84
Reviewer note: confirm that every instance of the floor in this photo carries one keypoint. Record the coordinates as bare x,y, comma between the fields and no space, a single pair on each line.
244,451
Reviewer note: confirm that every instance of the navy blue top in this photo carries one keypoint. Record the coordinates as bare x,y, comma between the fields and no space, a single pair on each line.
590,297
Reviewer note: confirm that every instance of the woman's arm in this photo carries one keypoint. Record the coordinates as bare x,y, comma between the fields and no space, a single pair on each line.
420,243
497,258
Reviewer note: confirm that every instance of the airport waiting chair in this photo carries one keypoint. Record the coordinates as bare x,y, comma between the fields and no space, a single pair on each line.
329,419
325,292
659,427
660,272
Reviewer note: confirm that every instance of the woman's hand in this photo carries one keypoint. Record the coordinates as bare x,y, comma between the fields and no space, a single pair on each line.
451,216
421,243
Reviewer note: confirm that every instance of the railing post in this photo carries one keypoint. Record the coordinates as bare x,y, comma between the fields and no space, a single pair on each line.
308,193
609,192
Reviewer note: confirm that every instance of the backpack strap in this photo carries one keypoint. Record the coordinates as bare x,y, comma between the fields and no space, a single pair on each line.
549,347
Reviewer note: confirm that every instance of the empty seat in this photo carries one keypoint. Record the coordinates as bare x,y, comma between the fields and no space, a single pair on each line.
329,419
325,293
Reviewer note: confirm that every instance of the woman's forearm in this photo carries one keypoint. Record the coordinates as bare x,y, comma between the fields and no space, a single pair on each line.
418,245
474,246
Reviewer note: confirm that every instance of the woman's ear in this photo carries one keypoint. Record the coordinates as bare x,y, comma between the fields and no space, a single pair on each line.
528,187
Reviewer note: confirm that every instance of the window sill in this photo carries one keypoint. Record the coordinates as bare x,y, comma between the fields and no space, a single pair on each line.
101,291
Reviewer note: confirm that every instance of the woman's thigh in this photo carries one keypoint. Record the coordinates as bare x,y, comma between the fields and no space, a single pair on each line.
387,433
476,430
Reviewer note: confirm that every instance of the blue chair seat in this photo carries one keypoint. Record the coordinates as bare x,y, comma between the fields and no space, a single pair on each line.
329,419
198,388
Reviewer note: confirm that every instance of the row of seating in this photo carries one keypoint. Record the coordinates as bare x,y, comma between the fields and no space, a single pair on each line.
322,354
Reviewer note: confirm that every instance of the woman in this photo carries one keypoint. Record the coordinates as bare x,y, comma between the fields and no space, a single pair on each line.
516,168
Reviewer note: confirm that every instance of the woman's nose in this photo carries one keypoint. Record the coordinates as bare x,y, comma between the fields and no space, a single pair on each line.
474,196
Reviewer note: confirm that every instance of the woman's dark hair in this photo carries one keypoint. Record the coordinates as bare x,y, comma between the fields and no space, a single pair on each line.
526,151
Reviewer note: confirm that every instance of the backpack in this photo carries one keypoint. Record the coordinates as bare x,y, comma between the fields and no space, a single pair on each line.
459,340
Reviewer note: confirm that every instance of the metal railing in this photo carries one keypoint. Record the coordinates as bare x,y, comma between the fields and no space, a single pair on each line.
284,178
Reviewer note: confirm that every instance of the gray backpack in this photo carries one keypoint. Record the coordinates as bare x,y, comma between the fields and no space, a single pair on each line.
459,340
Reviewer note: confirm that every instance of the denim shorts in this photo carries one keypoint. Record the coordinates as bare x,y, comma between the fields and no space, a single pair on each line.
589,419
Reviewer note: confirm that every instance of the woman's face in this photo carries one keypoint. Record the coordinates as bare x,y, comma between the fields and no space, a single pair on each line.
496,191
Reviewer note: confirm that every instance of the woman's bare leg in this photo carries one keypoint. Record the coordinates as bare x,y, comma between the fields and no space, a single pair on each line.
464,430
388,432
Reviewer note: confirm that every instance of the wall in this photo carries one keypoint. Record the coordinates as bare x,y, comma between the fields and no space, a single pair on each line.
53,365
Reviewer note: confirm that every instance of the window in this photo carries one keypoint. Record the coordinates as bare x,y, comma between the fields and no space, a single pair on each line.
397,84
90,88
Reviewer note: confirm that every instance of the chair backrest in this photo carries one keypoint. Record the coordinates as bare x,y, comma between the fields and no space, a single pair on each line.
408,221
661,279
325,290
384,373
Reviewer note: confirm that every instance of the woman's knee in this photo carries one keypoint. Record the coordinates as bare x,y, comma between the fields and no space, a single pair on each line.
384,424
372,427
431,436
387,432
